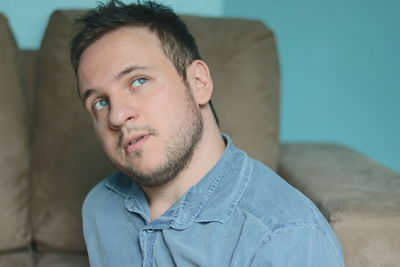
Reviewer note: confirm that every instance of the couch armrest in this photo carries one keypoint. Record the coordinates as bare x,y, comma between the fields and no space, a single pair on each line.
360,198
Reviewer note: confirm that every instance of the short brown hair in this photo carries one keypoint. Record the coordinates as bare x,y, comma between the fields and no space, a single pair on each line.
176,41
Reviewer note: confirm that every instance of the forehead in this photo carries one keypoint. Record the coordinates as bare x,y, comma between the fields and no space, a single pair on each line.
116,49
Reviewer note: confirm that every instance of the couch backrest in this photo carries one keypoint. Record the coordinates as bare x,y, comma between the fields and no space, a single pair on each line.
66,158
14,154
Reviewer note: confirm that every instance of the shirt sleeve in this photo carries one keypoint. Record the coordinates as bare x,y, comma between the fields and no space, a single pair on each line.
299,245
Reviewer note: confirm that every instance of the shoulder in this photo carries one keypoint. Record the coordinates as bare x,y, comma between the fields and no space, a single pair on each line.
276,203
306,245
291,221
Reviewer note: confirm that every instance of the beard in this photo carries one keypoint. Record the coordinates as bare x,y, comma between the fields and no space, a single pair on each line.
179,149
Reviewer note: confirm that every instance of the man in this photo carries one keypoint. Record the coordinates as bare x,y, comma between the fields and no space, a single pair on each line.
184,196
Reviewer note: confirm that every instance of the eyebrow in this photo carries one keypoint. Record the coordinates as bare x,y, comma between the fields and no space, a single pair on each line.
128,70
87,93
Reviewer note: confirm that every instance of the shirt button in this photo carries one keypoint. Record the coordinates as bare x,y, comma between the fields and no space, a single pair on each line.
149,230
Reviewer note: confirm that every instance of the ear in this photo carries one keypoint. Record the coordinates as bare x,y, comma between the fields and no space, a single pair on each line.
199,79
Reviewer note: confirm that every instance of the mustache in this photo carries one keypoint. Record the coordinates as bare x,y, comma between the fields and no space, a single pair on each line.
134,128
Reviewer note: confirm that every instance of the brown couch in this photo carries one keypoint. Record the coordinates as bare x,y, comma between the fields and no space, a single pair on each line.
50,159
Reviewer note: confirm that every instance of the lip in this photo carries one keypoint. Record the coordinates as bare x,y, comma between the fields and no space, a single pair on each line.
134,142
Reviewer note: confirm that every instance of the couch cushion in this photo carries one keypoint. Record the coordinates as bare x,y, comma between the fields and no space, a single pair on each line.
27,68
62,259
67,161
17,259
14,154
359,196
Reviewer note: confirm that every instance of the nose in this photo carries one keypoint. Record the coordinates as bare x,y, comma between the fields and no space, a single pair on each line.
122,110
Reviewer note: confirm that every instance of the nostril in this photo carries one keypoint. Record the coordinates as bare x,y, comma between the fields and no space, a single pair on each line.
114,127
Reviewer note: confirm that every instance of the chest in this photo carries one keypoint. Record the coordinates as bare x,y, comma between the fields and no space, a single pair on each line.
201,244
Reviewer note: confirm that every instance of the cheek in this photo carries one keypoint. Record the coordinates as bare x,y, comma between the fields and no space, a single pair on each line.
104,135
169,105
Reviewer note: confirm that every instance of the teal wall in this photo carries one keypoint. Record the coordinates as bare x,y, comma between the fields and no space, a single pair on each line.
340,63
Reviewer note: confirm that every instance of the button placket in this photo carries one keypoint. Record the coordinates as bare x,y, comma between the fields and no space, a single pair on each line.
148,242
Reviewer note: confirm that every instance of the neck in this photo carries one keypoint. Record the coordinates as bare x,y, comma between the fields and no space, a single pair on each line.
206,154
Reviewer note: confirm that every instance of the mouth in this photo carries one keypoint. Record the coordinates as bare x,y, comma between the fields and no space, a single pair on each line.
135,142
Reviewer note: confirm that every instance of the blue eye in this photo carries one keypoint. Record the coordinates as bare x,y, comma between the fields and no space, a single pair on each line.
99,105
139,82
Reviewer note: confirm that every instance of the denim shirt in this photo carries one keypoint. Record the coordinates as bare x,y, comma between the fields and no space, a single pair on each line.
240,214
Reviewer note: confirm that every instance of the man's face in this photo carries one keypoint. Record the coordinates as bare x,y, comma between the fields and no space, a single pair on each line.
144,114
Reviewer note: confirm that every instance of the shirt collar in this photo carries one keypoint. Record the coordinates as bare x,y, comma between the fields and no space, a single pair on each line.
212,199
